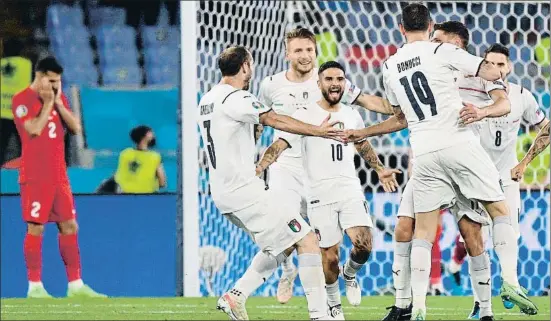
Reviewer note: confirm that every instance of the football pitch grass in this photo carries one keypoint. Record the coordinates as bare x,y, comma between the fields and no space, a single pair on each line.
372,308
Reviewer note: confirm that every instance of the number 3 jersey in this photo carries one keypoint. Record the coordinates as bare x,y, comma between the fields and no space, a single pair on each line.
226,119
42,156
328,164
419,78
498,135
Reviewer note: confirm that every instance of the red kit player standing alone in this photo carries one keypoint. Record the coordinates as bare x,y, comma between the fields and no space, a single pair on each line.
41,111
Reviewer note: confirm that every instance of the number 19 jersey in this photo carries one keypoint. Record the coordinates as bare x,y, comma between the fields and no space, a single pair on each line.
226,119
419,78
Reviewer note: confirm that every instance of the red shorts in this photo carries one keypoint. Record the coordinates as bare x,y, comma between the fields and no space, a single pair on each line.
42,202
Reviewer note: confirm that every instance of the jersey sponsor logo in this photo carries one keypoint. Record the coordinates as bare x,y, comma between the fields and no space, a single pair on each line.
294,225
21,111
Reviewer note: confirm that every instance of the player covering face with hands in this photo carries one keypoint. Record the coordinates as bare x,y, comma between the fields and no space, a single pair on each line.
41,111
227,116
336,202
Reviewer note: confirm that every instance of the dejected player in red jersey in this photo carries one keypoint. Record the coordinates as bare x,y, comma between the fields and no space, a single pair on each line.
41,112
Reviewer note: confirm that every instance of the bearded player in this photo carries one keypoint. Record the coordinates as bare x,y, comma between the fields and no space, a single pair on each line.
329,164
285,92
41,112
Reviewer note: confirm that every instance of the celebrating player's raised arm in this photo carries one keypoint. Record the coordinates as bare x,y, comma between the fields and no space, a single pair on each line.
62,106
540,143
501,106
271,155
374,103
294,126
393,124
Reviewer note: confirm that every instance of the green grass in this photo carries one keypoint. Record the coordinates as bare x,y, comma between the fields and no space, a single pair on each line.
372,308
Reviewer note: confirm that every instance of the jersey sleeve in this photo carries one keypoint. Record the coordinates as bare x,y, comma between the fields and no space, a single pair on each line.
458,59
489,86
245,107
351,93
390,95
532,111
264,92
292,139
22,109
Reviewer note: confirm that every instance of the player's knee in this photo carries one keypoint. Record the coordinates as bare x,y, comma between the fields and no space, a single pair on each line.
403,232
308,244
68,227
496,209
330,258
472,236
363,244
35,229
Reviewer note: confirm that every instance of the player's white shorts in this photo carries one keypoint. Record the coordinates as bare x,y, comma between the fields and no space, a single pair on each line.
467,166
271,223
331,220
462,207
287,184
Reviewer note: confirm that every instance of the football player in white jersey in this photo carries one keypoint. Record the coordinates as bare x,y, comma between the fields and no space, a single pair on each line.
285,92
419,82
336,201
227,115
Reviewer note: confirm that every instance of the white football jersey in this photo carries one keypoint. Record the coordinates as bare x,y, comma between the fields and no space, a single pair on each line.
226,119
499,135
285,97
419,78
328,164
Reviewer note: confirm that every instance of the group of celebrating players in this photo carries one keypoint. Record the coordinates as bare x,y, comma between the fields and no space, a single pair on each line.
463,158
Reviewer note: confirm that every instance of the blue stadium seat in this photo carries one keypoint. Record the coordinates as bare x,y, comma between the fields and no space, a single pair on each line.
118,55
77,35
161,55
79,75
62,16
153,36
107,16
108,36
162,75
167,137
74,55
122,76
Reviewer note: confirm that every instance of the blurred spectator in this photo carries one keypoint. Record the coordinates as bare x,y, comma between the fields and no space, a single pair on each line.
15,76
140,169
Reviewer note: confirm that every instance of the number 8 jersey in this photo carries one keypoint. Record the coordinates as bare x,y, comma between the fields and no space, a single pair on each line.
226,120
419,78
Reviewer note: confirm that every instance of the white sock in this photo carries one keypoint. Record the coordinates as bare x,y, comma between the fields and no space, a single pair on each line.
333,294
420,272
506,247
313,281
401,273
33,285
262,266
479,268
287,266
76,284
351,268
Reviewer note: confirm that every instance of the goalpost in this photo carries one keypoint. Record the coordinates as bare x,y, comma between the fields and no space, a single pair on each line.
213,253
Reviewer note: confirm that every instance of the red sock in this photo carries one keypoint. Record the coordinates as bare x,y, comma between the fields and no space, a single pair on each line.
435,269
32,248
459,252
68,247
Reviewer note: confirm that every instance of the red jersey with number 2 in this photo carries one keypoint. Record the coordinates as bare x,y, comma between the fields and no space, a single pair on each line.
42,156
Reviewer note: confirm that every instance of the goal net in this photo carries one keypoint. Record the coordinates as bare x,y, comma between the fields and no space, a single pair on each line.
361,35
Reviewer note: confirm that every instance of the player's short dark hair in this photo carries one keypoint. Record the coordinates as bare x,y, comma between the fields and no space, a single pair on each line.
497,48
48,63
456,28
300,33
138,133
330,64
232,59
415,17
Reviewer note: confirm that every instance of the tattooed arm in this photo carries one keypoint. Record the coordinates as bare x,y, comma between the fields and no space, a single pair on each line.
540,143
392,124
387,177
374,103
271,155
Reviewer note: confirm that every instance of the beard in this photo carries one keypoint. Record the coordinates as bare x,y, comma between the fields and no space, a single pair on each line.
332,100
247,84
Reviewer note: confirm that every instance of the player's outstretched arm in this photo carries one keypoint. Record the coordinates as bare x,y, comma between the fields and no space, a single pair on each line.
540,143
489,71
501,106
374,103
392,124
271,155
294,126
67,116
387,177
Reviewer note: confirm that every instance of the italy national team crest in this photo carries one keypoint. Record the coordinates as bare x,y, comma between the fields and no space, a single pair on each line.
294,225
